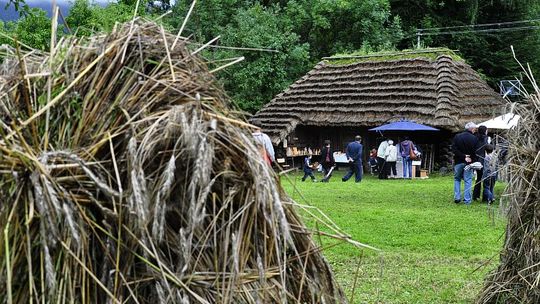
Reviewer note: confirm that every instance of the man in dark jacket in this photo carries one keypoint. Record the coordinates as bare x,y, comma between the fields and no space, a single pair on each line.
354,156
464,147
327,161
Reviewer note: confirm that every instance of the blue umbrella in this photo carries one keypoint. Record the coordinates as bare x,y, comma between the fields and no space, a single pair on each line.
403,125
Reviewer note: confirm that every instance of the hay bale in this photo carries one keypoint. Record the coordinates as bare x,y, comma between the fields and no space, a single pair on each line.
126,177
517,278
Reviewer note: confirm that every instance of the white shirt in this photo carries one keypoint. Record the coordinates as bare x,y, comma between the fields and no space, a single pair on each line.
382,149
391,154
265,141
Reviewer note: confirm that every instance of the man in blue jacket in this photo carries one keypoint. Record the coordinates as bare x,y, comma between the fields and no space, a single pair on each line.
354,156
464,147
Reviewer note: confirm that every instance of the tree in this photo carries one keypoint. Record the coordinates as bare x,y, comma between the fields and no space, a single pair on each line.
209,18
303,30
344,26
488,53
20,6
86,18
263,74
32,29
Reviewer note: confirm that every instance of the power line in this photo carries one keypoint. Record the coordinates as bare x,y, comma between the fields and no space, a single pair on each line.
479,25
508,29
422,32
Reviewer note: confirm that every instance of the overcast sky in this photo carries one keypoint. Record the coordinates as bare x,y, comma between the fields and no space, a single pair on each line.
11,14
70,1
65,1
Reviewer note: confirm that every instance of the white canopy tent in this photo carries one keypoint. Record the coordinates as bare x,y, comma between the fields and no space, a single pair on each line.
503,122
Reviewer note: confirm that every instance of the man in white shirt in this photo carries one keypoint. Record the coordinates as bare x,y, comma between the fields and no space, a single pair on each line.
263,142
381,162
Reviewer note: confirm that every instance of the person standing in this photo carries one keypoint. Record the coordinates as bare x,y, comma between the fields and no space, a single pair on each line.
407,148
263,142
327,161
381,162
490,174
481,134
390,156
354,156
464,148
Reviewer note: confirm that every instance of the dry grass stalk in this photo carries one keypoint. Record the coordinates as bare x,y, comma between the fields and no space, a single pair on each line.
517,278
147,188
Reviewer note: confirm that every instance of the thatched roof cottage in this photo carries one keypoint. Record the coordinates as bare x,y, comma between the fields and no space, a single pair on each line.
346,95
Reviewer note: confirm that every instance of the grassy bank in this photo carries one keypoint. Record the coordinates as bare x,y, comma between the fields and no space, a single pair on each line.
432,250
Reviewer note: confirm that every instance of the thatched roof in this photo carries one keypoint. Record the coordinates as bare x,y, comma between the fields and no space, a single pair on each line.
440,91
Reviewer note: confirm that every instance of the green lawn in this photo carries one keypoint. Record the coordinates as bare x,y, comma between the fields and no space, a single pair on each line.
432,250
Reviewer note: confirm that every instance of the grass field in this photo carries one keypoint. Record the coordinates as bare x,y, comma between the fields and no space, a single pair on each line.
432,250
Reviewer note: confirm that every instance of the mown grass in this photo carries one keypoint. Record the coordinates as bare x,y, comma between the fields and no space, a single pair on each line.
432,250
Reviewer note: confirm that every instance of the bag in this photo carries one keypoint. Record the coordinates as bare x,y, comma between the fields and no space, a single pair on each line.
412,155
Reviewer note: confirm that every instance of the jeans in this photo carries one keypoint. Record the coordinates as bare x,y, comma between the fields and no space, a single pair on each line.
489,184
407,167
467,176
356,168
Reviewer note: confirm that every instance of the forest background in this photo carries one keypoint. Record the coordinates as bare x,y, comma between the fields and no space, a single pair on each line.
281,40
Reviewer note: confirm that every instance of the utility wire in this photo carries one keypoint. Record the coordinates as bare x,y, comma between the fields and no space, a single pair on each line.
420,32
479,25
493,30
509,29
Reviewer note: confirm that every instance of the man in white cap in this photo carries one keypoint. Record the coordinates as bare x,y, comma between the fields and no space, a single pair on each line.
464,148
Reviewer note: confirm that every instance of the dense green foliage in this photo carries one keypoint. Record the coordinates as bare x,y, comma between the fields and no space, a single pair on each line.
32,29
85,18
263,74
300,32
487,52
432,250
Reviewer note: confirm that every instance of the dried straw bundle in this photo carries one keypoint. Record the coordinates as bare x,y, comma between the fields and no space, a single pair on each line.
517,279
122,180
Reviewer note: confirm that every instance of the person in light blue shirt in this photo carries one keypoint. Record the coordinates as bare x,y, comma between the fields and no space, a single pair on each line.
354,156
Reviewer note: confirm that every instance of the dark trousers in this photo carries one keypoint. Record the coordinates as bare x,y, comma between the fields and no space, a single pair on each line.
383,168
478,186
308,172
326,169
392,167
356,168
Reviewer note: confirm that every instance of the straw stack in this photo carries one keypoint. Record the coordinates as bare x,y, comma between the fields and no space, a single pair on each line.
126,177
517,279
